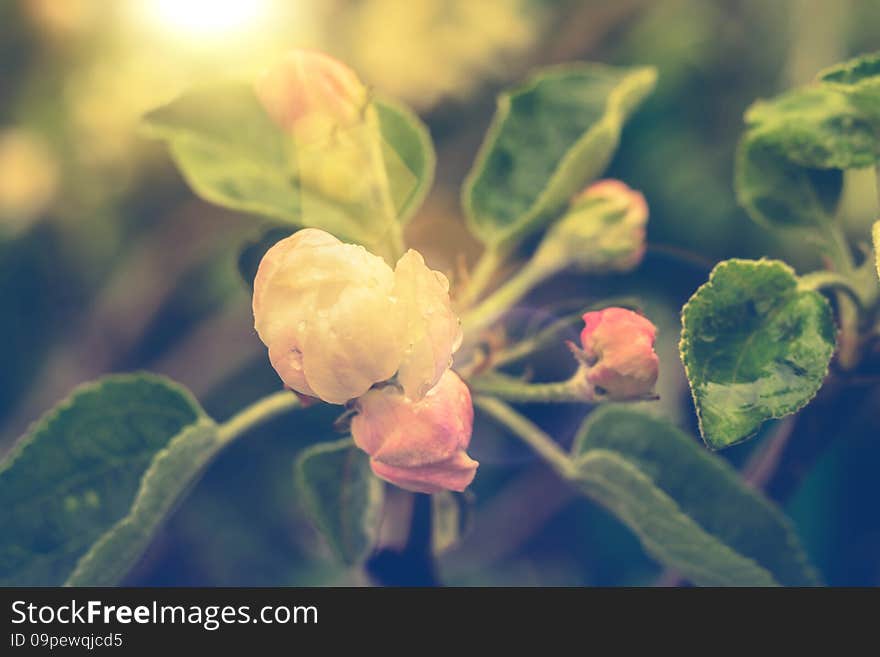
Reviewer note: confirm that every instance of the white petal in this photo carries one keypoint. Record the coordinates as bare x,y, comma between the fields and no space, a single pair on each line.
432,330
355,344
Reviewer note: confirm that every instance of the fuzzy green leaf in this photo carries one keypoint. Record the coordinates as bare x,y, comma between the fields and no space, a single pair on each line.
78,471
549,137
754,347
778,193
817,127
789,161
689,508
341,496
859,79
170,475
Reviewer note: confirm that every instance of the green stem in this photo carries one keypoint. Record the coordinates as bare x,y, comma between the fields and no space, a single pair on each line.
504,298
877,182
396,245
824,279
512,389
481,276
839,252
848,351
260,411
547,337
529,433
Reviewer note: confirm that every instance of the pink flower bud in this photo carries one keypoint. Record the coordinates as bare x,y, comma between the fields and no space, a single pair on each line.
307,83
627,237
618,350
616,190
419,446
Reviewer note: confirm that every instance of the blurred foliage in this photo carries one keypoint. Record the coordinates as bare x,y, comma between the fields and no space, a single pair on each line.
108,263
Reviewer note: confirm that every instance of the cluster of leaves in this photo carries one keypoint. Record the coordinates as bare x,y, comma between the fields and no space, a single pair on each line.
88,487
756,341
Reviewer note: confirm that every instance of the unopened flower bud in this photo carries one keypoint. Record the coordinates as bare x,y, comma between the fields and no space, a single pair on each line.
603,230
618,357
418,445
337,319
306,85
335,143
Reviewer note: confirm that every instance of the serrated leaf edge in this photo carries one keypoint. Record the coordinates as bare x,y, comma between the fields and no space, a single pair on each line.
685,335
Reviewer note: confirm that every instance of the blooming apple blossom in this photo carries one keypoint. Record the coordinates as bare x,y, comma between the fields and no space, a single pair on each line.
337,319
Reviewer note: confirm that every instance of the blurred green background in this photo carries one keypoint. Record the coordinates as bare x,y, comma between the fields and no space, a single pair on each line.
109,263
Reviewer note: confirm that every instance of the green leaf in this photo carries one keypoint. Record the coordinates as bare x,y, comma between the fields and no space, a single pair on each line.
232,154
549,137
689,508
754,347
778,193
859,79
252,252
411,146
788,160
817,127
341,496
450,519
77,472
229,150
172,472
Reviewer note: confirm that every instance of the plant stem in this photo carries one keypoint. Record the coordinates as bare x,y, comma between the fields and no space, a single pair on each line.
877,182
547,337
838,249
825,279
395,241
486,267
529,433
841,255
505,297
260,411
763,462
512,389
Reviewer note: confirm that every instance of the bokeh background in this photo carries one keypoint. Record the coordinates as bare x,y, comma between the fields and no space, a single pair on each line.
109,263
